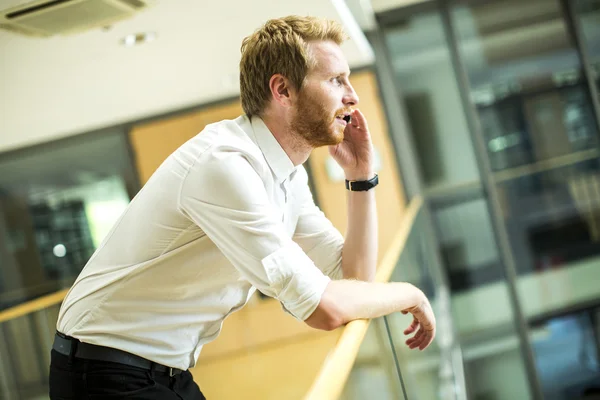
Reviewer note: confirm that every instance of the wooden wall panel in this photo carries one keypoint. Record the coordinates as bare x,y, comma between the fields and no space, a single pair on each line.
282,372
153,142
391,201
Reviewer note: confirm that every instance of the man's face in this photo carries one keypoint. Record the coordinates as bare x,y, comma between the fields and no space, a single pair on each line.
325,98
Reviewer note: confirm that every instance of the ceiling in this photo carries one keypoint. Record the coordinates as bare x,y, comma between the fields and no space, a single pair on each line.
65,85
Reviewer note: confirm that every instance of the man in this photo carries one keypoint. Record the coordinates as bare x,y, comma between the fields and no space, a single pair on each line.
230,212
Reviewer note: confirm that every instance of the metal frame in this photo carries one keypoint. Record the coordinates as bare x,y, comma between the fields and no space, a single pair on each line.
575,30
394,355
396,117
500,233
130,176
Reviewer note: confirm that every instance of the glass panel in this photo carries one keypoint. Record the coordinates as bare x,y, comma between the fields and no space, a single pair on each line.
25,344
57,202
436,372
541,136
567,356
551,216
480,302
588,13
467,244
526,82
373,375
480,305
421,62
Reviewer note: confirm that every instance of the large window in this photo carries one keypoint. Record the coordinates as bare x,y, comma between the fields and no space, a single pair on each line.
537,121
502,102
57,202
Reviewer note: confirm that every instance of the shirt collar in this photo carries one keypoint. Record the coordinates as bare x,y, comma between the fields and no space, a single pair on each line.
276,157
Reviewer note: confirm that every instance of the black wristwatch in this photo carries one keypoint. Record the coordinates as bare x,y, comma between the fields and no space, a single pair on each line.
362,186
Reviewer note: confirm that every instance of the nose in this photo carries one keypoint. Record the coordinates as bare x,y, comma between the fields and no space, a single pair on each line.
350,97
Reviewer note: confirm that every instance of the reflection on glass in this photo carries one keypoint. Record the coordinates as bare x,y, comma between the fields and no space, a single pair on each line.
374,375
541,135
437,372
566,352
526,81
552,216
588,13
421,62
25,342
481,308
57,202
467,245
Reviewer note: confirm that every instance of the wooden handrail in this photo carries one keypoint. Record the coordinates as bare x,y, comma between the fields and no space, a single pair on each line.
332,378
32,306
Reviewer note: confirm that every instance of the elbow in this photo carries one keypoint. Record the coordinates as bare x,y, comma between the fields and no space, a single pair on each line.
326,317
325,323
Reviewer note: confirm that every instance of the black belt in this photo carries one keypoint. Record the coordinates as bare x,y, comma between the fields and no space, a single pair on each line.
65,345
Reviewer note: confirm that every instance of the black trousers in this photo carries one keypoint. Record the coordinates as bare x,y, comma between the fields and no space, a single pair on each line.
91,379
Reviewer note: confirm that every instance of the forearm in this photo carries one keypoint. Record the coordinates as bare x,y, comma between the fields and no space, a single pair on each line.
359,255
346,300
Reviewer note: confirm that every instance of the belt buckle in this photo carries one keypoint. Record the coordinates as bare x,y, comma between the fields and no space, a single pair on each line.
172,372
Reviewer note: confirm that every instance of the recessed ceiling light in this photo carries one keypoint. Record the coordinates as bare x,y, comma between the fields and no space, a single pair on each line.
138,38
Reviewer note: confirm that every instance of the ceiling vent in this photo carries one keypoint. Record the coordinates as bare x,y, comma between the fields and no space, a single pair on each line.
60,17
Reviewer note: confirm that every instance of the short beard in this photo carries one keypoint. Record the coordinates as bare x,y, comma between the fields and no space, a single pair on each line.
312,123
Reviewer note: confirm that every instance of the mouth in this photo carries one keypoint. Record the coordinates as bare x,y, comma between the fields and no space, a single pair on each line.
345,117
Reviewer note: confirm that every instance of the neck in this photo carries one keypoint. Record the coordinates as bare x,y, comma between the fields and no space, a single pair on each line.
294,146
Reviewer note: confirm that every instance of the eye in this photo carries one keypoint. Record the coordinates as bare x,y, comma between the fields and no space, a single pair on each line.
337,80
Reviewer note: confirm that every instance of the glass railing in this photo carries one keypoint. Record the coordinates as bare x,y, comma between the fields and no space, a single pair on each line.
26,334
435,373
371,359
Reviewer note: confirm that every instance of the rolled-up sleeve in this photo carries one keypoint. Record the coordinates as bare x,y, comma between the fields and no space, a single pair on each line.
224,195
316,235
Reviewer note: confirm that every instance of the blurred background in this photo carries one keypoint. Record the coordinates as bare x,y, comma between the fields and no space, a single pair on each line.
485,118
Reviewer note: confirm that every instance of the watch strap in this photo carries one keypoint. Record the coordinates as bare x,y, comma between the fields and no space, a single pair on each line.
362,186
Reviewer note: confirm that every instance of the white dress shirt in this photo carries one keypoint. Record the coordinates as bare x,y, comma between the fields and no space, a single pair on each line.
225,214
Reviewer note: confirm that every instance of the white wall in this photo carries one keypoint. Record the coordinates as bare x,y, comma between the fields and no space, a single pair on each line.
60,86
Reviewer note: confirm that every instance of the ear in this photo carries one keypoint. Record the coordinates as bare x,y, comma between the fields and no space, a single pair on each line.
281,90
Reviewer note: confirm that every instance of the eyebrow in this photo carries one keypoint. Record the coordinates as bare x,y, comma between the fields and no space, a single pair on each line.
345,73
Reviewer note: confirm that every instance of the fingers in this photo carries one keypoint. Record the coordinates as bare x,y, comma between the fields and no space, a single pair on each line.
427,339
333,150
421,340
415,341
358,120
413,327
424,321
